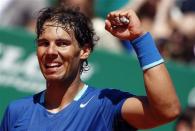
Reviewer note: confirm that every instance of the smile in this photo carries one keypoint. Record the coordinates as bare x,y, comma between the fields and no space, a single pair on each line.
53,65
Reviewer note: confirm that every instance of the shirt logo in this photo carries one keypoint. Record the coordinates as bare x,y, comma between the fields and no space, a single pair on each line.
82,105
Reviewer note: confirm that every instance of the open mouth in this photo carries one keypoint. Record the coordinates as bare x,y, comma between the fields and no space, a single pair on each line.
52,67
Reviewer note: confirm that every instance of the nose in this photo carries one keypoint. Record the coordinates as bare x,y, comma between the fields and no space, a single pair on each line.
51,52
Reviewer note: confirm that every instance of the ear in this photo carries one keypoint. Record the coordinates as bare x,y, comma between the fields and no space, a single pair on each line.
85,52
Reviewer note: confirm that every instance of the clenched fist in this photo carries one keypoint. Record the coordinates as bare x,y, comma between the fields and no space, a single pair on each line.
124,24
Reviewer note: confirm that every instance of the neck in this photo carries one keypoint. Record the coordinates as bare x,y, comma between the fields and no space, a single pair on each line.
59,94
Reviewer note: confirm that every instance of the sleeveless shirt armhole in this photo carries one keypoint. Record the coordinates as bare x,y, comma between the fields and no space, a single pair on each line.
119,122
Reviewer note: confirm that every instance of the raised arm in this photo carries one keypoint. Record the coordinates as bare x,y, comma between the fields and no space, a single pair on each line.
161,104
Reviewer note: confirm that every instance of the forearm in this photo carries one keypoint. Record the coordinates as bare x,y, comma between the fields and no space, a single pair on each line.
161,94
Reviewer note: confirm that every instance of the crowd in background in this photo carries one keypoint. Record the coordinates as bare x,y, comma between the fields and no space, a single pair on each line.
186,121
171,22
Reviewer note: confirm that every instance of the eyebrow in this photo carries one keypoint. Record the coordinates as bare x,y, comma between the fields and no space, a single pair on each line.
59,39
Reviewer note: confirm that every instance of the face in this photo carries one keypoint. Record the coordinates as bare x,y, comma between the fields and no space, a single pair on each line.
58,53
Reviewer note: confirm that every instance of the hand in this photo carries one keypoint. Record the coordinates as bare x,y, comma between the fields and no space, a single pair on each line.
128,30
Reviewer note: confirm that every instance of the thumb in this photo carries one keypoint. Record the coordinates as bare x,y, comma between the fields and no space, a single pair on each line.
108,25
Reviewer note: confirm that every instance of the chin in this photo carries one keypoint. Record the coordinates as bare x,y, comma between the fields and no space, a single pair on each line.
53,77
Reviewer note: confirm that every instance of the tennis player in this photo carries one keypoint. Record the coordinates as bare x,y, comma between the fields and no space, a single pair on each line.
65,39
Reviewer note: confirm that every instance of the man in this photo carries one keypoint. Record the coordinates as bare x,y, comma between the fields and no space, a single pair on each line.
65,39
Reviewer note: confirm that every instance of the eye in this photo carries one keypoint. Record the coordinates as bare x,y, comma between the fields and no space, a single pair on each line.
42,42
62,43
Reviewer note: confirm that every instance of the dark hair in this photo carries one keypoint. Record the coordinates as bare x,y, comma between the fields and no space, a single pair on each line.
69,18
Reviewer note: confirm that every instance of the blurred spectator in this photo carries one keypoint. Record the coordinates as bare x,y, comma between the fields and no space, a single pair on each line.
86,6
21,13
186,121
173,29
183,34
187,5
3,5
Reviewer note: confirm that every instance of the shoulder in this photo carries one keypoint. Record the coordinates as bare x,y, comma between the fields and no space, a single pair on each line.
25,101
17,109
109,102
17,104
20,105
114,96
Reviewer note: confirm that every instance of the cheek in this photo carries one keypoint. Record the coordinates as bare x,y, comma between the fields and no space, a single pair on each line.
40,53
73,66
72,61
70,54
39,49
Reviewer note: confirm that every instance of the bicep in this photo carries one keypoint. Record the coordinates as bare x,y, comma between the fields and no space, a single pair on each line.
136,111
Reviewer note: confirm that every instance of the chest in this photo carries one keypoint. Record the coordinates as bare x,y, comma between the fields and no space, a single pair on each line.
86,115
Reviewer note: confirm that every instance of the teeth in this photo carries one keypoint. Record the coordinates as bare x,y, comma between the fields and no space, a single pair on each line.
53,65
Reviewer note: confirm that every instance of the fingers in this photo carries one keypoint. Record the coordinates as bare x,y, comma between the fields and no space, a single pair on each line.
124,24
119,18
109,27
117,22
